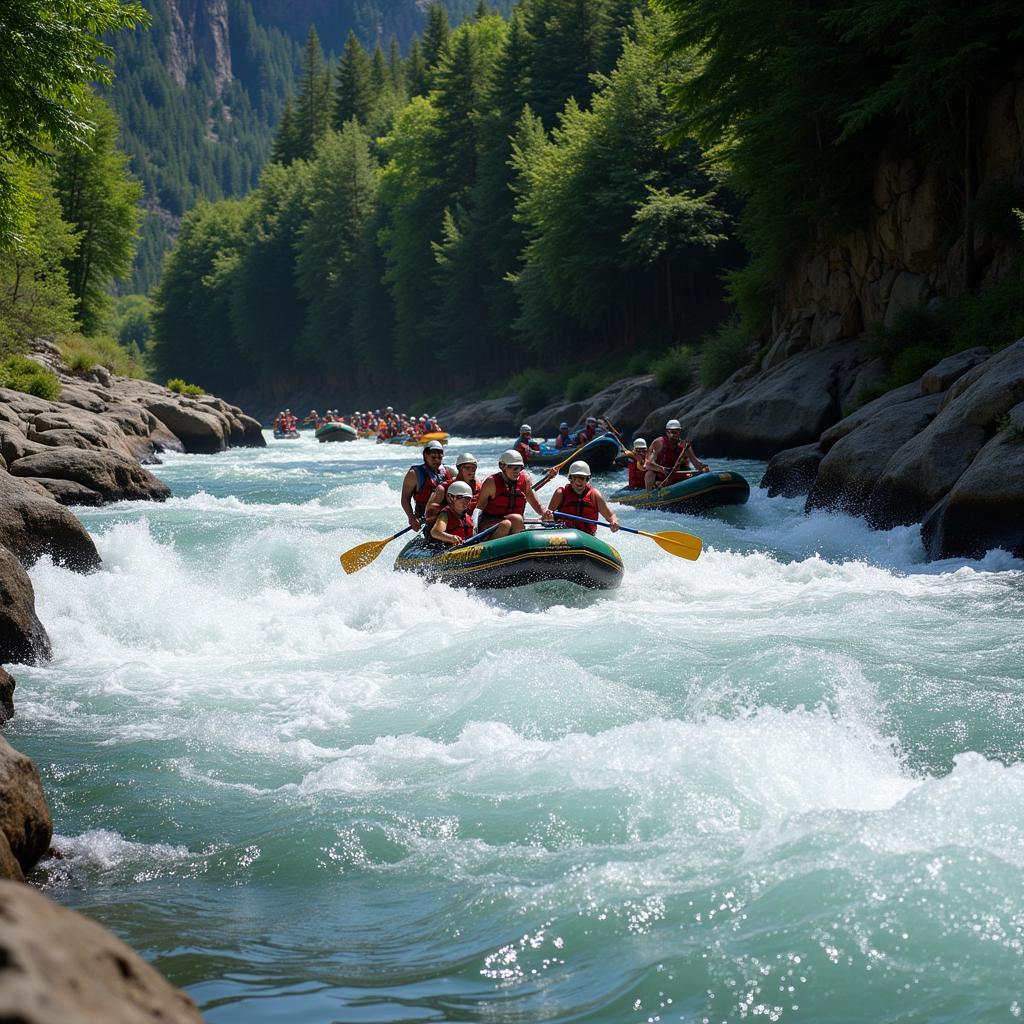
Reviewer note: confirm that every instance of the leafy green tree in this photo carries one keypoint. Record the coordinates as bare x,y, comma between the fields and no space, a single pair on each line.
51,55
354,94
34,295
343,190
100,200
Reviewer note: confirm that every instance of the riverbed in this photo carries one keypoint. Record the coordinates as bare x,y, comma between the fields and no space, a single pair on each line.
784,781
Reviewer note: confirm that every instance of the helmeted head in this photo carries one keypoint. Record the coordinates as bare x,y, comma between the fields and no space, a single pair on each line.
525,429
466,465
591,421
459,494
563,426
511,462
639,445
673,426
579,469
433,453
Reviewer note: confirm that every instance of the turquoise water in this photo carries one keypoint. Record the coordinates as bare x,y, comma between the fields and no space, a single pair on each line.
782,782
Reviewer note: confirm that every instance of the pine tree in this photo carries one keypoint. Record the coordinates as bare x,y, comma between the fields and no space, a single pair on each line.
354,93
379,71
395,62
435,38
416,70
313,106
286,146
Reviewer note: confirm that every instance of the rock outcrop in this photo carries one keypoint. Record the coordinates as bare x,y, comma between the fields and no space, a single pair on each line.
485,418
22,636
58,966
24,814
6,697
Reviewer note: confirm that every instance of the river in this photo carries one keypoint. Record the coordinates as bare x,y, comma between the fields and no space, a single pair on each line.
783,782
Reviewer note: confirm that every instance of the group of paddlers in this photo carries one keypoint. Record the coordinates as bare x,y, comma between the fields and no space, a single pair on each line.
384,423
443,502
286,422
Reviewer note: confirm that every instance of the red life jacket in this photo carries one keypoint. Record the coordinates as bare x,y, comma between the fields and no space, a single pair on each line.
460,526
669,454
636,474
509,499
427,482
583,505
524,448
444,499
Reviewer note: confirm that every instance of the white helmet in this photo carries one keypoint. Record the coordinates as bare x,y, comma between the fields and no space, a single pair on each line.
591,419
511,458
639,443
579,468
460,490
526,429
673,425
465,459
433,446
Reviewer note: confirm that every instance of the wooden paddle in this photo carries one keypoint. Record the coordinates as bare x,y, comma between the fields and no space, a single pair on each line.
682,545
362,555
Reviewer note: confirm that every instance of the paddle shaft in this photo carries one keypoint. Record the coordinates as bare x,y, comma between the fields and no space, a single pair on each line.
598,522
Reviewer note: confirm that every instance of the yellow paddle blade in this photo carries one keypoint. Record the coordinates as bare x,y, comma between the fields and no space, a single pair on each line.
682,545
362,555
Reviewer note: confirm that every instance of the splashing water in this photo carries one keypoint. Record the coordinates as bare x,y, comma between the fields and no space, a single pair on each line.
784,781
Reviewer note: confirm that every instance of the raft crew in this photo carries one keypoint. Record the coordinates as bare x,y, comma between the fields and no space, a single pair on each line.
465,472
526,446
562,440
579,498
454,523
421,481
635,466
589,431
504,495
671,458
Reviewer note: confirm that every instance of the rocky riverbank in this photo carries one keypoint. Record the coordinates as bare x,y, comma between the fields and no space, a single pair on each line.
946,451
90,446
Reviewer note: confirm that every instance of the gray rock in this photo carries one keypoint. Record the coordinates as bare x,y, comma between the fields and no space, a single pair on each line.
941,376
854,464
925,469
630,407
792,472
69,492
985,508
491,417
7,685
545,421
24,814
252,432
15,445
22,637
32,525
116,477
58,967
200,430
868,412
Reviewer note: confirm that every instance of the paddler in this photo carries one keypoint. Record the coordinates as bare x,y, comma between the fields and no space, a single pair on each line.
637,459
589,431
579,498
562,439
504,495
465,472
670,455
526,446
454,523
421,481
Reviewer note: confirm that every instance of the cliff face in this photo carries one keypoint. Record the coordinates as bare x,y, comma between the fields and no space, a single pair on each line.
200,29
902,256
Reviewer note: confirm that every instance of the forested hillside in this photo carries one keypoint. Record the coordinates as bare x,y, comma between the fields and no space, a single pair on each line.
448,217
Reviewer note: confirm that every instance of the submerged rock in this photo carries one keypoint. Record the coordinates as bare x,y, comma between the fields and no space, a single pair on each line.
792,472
58,967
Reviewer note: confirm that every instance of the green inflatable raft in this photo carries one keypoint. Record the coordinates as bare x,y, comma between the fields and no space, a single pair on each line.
696,493
533,556
600,454
336,432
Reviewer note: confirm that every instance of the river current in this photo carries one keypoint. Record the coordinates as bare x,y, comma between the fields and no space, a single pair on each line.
785,781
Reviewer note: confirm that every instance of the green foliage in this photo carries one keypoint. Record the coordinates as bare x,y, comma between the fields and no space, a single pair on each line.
1012,428
914,361
354,92
993,316
535,387
582,385
129,320
182,388
674,370
82,353
51,55
724,352
19,373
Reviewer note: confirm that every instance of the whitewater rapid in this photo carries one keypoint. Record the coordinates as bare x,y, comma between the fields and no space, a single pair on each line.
784,780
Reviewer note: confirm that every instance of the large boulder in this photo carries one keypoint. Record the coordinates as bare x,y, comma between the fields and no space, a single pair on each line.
985,508
490,417
116,477
32,526
628,405
22,636
24,814
58,967
925,469
949,370
854,464
792,472
252,432
200,430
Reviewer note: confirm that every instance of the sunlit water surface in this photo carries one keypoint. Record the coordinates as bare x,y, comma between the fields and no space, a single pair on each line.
784,781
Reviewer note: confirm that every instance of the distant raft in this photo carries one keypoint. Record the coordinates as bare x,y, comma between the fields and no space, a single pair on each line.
285,435
336,432
533,556
600,454
697,493
418,442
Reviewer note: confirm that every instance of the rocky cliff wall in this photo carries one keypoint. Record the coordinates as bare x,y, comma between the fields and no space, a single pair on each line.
904,254
200,29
